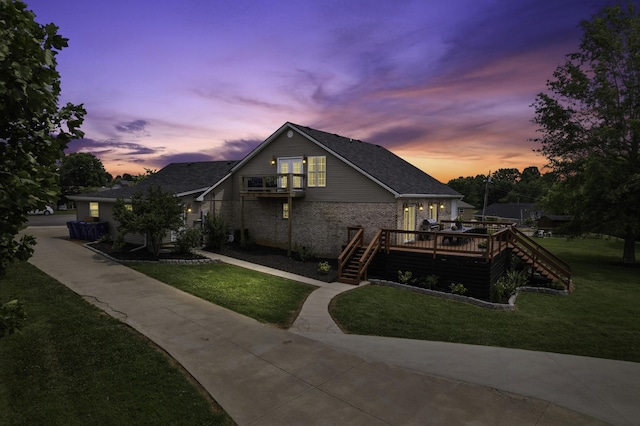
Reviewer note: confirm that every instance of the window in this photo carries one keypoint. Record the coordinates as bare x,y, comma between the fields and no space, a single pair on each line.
128,207
317,171
94,209
285,211
290,165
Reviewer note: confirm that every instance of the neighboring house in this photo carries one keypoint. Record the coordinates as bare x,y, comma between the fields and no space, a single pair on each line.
304,187
465,211
550,221
188,181
518,213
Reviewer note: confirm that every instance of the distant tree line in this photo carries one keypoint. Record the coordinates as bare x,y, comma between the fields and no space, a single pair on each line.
506,185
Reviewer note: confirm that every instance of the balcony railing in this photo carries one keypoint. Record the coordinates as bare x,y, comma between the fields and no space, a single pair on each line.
274,185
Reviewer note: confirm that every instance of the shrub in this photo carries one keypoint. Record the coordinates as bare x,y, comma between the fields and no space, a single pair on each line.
12,316
406,277
215,231
105,238
187,239
118,243
305,253
457,288
506,286
429,281
324,267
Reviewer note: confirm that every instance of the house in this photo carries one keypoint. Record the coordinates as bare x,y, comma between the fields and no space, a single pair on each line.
187,180
549,222
519,213
303,187
465,211
340,197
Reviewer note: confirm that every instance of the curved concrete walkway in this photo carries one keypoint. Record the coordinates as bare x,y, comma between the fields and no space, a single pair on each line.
314,374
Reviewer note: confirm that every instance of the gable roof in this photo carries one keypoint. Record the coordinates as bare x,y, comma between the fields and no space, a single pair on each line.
179,178
512,210
377,163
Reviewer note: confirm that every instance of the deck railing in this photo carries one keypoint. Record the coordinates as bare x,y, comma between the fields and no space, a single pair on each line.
279,183
370,252
355,238
541,258
475,241
446,242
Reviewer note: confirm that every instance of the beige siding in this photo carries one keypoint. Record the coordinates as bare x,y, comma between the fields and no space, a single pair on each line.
344,184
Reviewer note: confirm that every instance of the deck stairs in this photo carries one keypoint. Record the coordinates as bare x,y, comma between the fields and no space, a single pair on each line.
351,272
356,257
542,261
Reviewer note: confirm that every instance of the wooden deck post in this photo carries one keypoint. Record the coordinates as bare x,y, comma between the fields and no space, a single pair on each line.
289,201
242,236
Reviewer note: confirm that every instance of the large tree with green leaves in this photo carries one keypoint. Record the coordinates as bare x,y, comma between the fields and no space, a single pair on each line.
81,170
590,128
34,130
152,213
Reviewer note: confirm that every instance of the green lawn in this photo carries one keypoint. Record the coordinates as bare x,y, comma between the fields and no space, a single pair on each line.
72,364
266,298
599,319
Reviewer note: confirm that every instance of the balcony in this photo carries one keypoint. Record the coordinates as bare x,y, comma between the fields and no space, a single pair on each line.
275,185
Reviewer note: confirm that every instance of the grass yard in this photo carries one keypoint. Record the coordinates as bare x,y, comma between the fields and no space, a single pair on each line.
266,298
72,364
599,319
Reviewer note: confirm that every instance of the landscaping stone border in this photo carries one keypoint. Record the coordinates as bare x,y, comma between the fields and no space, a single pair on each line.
171,261
510,306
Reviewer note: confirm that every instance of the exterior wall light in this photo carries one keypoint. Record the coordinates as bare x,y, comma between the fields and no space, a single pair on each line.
420,207
273,160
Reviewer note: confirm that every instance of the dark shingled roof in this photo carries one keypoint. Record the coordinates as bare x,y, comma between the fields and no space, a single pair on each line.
177,178
380,163
511,210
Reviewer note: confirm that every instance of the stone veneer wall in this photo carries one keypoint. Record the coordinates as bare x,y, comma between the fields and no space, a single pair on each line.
319,225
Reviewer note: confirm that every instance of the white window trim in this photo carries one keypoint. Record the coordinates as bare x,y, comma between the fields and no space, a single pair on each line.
313,172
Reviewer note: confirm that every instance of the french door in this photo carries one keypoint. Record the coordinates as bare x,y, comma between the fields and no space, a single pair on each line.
290,165
409,222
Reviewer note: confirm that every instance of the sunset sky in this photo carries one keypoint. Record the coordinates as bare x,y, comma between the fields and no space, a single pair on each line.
446,85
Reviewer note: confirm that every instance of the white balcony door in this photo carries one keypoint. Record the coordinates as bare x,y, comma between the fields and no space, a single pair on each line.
290,165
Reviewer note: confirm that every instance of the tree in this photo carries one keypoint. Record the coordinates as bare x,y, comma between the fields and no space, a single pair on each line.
81,170
590,126
153,213
34,131
471,187
503,185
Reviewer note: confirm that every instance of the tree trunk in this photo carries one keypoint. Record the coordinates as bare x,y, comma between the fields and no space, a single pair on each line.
629,254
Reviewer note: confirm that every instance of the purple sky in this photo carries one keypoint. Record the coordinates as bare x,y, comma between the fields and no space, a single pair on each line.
447,85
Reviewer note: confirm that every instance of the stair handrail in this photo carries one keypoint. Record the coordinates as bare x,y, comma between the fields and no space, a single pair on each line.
351,247
369,253
554,265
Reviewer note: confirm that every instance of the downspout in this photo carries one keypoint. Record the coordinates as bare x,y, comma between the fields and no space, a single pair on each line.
142,246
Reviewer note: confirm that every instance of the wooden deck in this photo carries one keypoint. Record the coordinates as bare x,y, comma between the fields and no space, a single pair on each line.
484,241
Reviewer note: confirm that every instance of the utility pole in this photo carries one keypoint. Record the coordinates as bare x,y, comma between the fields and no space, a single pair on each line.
486,195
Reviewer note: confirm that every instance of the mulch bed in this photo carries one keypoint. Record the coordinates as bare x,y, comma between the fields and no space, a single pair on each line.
261,255
278,259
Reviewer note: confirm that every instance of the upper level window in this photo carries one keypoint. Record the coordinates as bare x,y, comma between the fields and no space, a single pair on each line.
94,209
290,165
317,171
